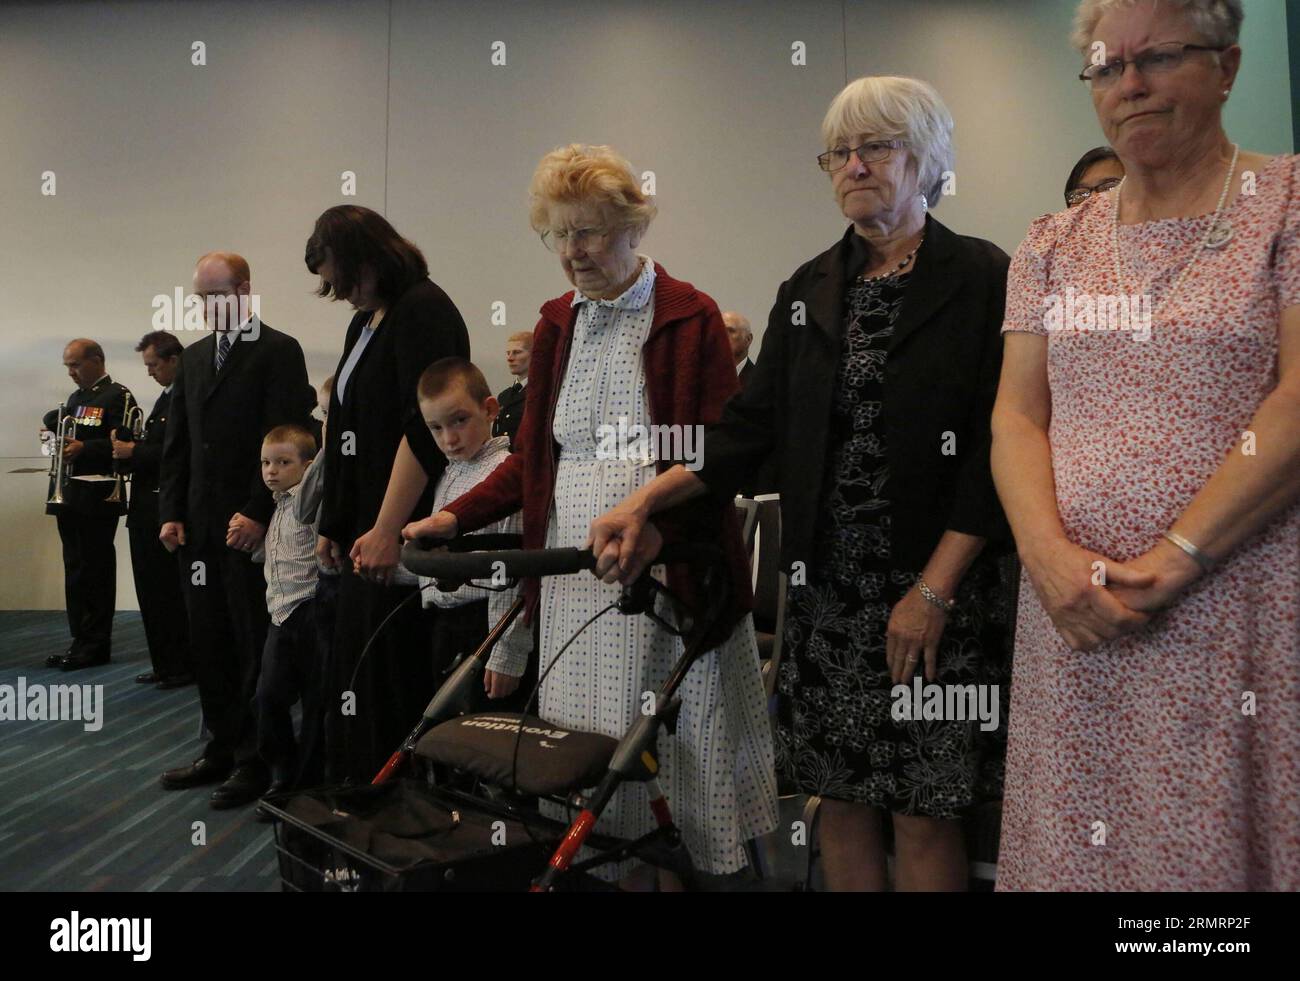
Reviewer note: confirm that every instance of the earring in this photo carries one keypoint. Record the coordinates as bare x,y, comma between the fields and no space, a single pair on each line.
1226,92
925,202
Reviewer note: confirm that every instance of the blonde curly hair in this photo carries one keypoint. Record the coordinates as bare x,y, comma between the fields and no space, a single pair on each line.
578,173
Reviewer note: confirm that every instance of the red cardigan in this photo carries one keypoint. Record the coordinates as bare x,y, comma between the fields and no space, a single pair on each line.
689,377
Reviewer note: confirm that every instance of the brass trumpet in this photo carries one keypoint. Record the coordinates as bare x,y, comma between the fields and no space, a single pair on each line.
65,430
132,422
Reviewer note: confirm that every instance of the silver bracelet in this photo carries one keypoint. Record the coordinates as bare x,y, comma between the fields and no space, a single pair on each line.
1203,560
934,598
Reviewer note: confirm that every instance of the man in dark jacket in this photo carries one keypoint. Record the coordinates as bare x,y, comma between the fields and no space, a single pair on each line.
519,350
235,385
87,520
156,571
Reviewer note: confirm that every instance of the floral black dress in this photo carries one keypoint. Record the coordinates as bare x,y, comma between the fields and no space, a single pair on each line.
837,735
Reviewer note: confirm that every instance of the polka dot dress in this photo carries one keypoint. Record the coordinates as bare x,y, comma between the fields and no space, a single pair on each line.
1168,759
717,771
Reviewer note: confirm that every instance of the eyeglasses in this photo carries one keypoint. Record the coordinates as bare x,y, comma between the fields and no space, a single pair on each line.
582,239
1082,194
872,152
1158,60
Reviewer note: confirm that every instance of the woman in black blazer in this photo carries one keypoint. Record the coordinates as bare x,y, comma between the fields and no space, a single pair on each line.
404,323
873,393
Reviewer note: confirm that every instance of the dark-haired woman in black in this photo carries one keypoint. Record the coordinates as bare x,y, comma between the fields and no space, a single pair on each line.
380,468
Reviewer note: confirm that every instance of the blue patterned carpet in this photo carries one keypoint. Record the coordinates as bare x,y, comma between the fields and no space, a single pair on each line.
82,811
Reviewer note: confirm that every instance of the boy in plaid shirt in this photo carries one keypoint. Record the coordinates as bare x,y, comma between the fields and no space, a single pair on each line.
459,409
290,662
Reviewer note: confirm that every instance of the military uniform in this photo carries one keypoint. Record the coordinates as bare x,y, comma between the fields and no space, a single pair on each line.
157,572
511,412
88,522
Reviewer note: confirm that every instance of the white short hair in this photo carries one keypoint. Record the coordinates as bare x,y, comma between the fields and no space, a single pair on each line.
1218,21
896,107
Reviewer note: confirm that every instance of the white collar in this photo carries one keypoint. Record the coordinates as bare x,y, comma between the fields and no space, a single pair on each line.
491,445
635,297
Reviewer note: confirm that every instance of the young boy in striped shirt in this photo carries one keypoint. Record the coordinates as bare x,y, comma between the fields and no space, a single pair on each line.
290,662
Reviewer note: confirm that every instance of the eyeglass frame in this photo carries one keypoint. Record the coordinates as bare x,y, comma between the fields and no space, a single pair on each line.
894,144
553,246
1135,62
1102,186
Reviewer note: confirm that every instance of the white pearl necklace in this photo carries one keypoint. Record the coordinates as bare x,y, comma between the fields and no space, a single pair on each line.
1215,232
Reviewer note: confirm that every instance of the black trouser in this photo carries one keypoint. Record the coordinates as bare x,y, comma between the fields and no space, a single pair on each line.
89,579
157,575
226,597
459,631
291,670
370,706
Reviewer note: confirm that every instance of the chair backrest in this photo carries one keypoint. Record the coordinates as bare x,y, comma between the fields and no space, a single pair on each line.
767,562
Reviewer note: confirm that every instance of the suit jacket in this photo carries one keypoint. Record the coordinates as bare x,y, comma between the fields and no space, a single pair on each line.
379,406
98,412
689,376
145,467
512,410
941,377
211,459
744,372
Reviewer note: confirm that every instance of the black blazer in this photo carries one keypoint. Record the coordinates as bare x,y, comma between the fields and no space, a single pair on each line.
512,411
379,406
745,370
941,376
101,407
211,460
145,467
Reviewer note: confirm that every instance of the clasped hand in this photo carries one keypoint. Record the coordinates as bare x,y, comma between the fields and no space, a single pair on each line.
244,534
1092,599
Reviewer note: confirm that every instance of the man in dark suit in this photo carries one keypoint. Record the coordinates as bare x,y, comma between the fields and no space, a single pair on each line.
741,336
156,571
235,385
87,521
519,350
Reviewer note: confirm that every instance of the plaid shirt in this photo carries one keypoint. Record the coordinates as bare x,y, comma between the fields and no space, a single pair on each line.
289,557
510,656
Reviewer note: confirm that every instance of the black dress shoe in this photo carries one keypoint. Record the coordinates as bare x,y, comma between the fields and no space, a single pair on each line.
148,678
201,771
54,660
277,788
246,784
75,662
166,683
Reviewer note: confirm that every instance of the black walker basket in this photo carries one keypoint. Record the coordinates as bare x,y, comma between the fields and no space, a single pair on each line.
481,852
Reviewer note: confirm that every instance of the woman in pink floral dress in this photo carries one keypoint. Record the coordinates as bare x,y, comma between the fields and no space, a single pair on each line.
1147,452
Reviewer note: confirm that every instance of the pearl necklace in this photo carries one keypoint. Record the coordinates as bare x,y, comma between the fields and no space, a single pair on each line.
1215,236
898,268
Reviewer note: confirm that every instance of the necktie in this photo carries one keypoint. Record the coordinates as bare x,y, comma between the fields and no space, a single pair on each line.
223,349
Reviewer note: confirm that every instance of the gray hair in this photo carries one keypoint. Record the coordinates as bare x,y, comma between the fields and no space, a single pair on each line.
1218,21
890,107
